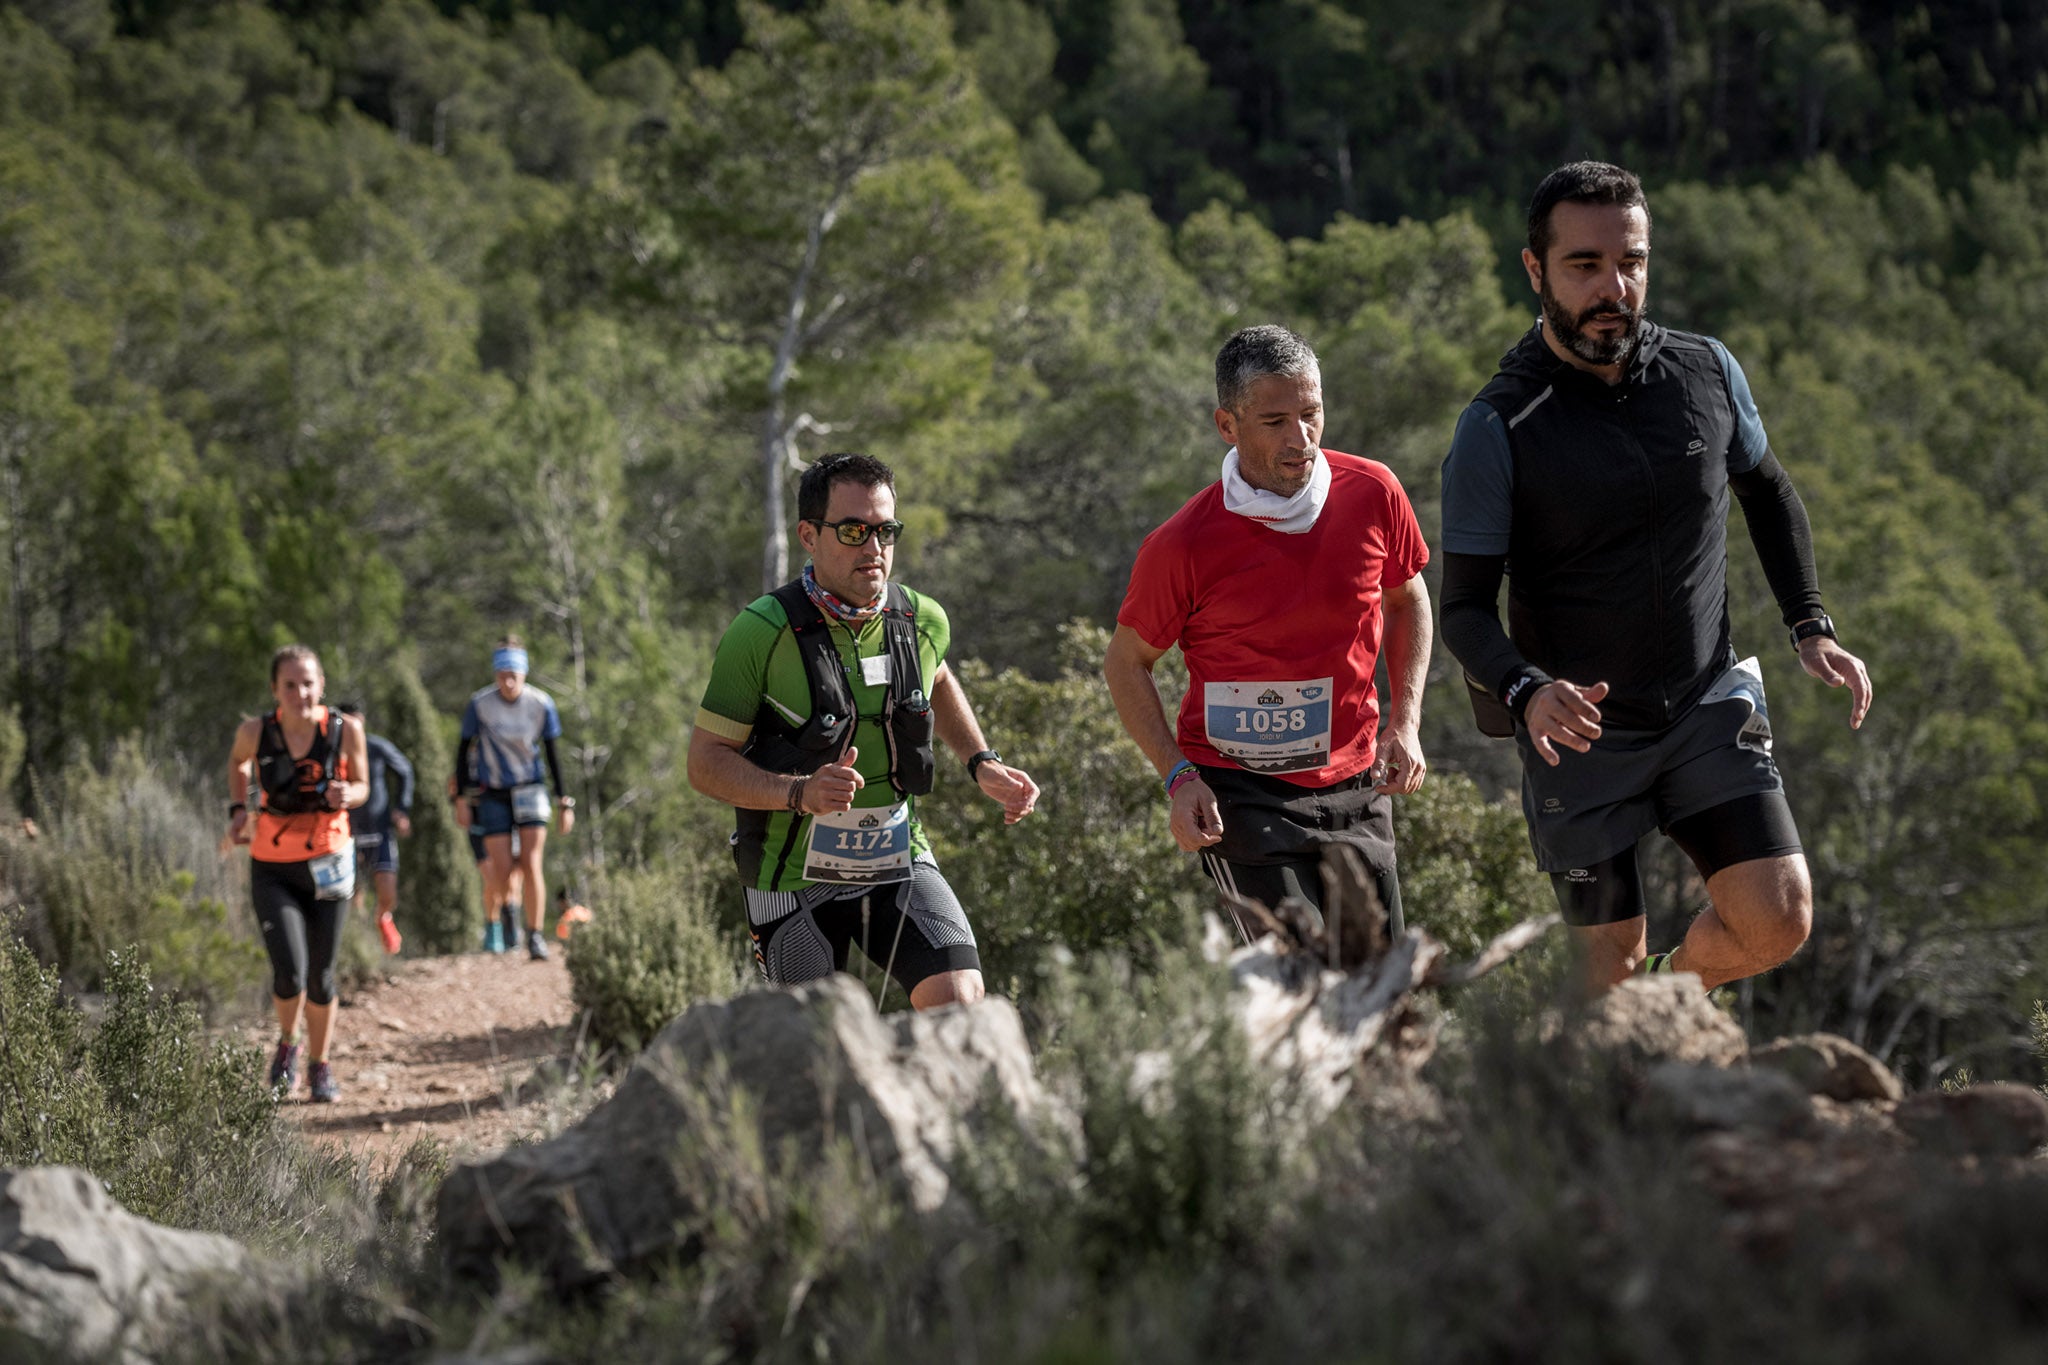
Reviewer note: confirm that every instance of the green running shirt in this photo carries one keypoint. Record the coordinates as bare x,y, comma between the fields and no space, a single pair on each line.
759,661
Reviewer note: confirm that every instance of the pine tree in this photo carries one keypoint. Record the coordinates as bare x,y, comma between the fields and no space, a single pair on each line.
439,900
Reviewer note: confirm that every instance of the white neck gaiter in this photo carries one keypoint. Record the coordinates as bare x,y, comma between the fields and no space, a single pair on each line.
1292,515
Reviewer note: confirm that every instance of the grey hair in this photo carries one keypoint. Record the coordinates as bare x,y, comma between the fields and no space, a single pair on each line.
1253,354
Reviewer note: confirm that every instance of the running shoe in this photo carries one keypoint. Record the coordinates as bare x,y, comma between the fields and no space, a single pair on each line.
322,1083
1657,962
494,938
387,927
536,946
508,918
284,1068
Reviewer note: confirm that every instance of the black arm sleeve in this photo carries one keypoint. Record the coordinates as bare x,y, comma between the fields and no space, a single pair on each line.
554,766
464,784
1472,629
1782,535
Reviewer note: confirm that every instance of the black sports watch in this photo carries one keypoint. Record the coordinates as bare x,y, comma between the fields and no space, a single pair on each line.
975,761
1818,625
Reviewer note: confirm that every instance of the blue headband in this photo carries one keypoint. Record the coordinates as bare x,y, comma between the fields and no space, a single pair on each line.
509,661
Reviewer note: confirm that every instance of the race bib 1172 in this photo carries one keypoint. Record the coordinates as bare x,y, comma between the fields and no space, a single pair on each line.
864,845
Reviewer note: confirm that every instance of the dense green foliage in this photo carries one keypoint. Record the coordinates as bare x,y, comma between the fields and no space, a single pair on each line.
169,1120
390,327
654,951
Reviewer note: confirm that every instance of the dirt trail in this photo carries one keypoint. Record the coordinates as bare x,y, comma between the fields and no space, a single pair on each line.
440,1047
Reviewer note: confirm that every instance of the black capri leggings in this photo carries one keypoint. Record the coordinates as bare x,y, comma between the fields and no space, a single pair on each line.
301,932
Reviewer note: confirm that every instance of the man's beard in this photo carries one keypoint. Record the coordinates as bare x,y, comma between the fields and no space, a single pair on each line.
1594,350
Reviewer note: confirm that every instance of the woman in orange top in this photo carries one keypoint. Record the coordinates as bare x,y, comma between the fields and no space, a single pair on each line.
310,766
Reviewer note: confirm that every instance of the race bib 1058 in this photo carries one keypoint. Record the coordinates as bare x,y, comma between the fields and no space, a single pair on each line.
1270,727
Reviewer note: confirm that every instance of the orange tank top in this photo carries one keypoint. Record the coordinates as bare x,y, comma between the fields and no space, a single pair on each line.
313,834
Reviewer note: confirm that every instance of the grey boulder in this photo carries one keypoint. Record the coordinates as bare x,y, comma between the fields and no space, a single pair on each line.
79,1272
1827,1065
758,1088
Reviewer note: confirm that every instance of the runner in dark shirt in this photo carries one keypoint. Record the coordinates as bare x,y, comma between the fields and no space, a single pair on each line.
1594,473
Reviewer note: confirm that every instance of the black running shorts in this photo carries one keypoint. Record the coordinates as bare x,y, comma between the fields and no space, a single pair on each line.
912,929
1592,806
1274,834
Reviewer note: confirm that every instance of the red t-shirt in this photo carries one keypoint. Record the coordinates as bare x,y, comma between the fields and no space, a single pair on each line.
1280,631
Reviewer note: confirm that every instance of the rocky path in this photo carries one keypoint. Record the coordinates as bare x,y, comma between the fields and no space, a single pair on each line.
443,1047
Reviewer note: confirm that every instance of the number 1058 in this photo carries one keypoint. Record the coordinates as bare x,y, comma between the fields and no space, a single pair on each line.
1277,722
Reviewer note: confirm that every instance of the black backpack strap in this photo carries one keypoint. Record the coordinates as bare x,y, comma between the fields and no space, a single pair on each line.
907,717
831,700
337,729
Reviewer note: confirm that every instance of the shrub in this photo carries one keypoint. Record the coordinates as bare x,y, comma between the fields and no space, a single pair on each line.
1095,865
167,1118
651,949
440,899
124,857
1466,870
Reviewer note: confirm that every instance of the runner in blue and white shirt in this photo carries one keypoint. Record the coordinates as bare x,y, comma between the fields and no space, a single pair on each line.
507,729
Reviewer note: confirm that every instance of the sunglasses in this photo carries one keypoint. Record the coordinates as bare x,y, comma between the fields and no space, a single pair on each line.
851,532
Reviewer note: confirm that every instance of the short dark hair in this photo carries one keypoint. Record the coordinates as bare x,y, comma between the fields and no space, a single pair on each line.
814,489
1254,353
1582,182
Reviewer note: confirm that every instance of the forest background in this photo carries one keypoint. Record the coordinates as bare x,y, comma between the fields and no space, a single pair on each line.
389,327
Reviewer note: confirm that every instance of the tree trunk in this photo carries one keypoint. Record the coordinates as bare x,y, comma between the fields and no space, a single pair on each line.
774,426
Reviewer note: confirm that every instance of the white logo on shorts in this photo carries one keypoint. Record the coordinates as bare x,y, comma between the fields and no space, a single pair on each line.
1552,806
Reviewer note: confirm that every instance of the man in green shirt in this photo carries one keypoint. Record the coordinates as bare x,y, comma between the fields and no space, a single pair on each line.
817,727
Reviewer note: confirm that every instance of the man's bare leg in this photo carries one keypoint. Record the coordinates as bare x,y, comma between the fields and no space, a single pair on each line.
1762,911
1609,952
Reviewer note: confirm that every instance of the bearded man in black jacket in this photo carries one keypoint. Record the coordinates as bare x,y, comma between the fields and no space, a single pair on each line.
1594,473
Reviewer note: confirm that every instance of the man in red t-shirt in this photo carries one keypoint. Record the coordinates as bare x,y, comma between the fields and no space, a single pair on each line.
1278,582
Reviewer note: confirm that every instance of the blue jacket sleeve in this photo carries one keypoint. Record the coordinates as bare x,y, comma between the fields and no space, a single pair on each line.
1478,485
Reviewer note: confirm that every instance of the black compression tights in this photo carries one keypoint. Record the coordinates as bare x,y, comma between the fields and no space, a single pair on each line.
300,932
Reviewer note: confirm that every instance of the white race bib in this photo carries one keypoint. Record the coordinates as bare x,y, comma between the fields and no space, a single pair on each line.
1744,683
530,804
862,845
1270,727
334,876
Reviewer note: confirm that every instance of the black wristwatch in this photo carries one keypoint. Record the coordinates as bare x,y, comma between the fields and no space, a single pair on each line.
974,761
1818,625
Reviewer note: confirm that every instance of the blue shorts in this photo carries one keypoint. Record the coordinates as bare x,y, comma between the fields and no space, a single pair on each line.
491,812
476,841
377,851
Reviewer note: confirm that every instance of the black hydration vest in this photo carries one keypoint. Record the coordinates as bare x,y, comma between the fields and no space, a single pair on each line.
288,788
906,716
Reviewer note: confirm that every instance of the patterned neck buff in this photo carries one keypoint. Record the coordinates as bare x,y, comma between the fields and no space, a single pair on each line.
837,607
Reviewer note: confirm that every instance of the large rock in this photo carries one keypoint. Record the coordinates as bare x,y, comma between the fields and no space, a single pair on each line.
1827,1065
2001,1120
781,1073
80,1272
1651,1019
1704,1099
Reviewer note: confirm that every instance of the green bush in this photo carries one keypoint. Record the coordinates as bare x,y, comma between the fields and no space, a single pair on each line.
121,857
169,1119
1466,870
651,949
1094,866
